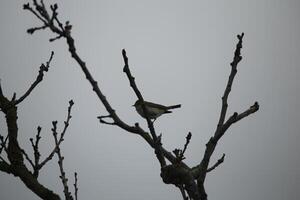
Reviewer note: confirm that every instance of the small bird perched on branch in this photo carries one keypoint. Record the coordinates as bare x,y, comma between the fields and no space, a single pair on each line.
153,110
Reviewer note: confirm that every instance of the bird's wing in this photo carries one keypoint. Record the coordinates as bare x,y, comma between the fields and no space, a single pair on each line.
156,105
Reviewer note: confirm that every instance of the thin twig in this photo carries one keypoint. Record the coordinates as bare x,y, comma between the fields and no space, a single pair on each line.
66,124
101,119
3,143
181,188
36,153
39,78
237,58
28,158
220,161
60,163
180,153
235,118
28,7
32,30
188,139
76,186
3,147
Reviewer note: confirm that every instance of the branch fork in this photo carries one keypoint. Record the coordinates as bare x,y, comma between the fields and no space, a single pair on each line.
190,180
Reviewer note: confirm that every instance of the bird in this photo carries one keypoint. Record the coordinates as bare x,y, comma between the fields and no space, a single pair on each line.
154,110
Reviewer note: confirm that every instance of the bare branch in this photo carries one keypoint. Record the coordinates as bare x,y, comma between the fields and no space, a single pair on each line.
200,171
5,167
195,191
101,119
28,158
235,118
54,17
28,7
156,140
35,145
66,124
76,186
180,153
36,153
220,161
188,139
3,143
3,147
32,30
1,92
55,38
39,78
138,94
181,188
42,14
237,58
60,163
66,33
15,155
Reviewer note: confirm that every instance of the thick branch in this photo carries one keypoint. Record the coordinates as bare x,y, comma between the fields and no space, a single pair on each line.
5,167
15,156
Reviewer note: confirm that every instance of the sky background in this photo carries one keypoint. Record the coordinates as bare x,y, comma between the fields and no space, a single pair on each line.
179,52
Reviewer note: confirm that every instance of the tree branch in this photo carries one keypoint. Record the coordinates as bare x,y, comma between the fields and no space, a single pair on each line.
5,167
235,118
66,33
62,176
236,59
39,78
61,138
200,171
36,152
180,153
28,158
14,153
177,173
76,186
181,188
220,161
157,140
3,144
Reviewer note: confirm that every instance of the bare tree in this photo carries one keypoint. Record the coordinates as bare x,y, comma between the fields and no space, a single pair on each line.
189,180
14,162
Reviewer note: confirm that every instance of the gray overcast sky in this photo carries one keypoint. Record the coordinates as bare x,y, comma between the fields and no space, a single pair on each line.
179,52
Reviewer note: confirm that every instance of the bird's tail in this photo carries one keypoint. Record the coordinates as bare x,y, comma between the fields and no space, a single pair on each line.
174,106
